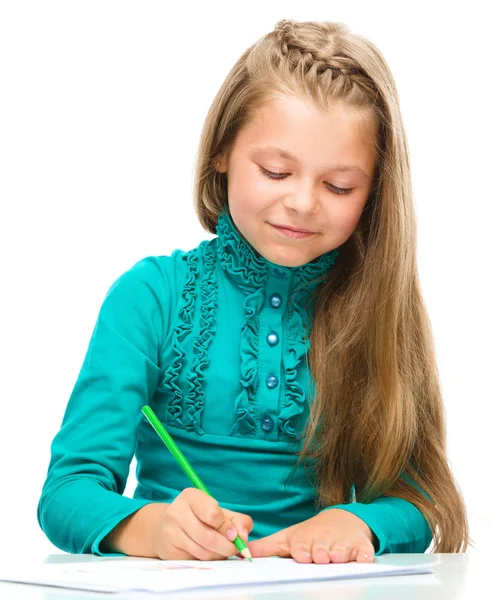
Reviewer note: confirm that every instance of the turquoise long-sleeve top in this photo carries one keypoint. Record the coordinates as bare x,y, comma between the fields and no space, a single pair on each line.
214,340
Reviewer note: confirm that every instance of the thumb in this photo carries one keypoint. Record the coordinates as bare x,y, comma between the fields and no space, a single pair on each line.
276,544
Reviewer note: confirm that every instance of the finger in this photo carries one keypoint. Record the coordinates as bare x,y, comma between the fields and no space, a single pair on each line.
178,554
365,553
302,554
272,545
301,550
242,523
206,508
207,538
340,552
320,552
188,545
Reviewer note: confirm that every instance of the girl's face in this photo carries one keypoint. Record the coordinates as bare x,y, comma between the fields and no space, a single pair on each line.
306,194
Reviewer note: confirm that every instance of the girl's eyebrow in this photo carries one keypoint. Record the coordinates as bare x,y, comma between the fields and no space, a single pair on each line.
293,158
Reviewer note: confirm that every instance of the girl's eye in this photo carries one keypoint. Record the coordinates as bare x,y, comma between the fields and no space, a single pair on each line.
280,176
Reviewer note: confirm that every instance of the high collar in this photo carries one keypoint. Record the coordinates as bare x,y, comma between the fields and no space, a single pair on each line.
239,259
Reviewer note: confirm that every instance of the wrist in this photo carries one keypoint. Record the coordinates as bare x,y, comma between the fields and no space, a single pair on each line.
135,535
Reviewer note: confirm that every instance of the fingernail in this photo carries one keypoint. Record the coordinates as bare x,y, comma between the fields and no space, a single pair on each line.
244,534
231,534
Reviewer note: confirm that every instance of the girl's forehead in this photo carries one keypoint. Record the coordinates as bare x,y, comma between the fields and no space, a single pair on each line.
296,118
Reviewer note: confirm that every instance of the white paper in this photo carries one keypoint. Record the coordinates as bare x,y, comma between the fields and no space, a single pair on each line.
153,575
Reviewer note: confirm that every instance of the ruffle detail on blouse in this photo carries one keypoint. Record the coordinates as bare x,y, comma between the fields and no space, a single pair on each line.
297,345
249,272
237,257
195,398
182,329
245,423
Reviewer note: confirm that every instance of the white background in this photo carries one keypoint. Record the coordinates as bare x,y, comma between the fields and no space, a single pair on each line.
101,108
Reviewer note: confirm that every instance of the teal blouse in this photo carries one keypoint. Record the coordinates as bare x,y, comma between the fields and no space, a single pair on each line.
214,340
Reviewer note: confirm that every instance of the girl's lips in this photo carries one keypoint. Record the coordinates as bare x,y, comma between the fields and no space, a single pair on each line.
292,234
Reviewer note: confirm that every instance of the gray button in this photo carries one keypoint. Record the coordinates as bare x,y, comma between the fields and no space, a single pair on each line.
280,272
275,300
272,381
267,424
272,338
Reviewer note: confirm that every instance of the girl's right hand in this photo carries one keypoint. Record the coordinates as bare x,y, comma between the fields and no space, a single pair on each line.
194,526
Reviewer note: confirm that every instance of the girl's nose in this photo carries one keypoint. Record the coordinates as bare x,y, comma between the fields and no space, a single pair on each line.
303,200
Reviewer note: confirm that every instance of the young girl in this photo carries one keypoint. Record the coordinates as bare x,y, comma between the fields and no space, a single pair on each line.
290,357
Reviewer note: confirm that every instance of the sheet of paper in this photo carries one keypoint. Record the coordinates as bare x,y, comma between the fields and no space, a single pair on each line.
153,575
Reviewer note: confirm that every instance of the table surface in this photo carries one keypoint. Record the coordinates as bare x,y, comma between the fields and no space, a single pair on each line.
455,576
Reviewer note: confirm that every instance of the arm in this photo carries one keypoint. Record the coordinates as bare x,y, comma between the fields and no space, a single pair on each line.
81,500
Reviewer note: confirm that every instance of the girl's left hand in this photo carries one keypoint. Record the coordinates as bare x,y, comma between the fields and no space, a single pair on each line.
334,535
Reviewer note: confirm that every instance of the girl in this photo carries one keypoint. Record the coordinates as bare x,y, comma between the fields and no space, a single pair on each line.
290,357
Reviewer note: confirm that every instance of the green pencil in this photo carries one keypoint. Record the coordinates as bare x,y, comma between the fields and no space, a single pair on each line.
187,468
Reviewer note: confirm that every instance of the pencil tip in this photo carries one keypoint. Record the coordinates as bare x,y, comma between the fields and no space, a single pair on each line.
247,554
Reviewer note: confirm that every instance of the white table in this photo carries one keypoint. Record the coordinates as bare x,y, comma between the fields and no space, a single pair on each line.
455,577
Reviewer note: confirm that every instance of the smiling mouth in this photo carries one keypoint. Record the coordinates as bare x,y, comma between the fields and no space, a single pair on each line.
291,233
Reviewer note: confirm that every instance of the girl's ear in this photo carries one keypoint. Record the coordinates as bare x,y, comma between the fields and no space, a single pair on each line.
220,163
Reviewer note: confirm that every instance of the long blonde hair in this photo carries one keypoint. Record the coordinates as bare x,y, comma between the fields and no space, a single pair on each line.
377,420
